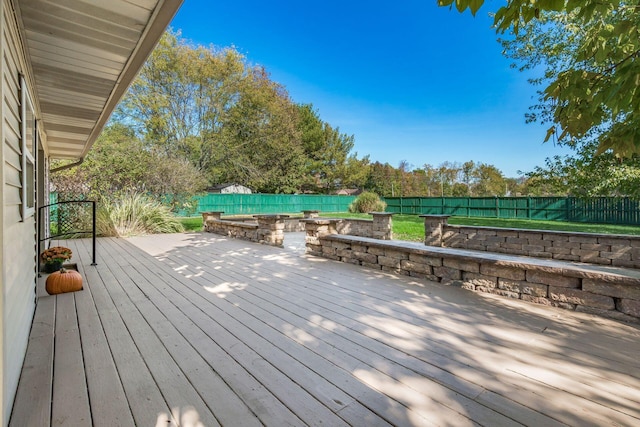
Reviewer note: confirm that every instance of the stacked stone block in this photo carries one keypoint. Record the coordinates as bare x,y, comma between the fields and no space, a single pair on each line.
271,229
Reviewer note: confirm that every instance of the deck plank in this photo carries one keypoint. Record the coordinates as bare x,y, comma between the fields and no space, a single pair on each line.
147,403
167,322
70,400
345,342
109,404
33,397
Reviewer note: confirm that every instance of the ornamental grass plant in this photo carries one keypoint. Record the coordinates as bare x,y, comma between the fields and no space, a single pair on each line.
135,214
367,202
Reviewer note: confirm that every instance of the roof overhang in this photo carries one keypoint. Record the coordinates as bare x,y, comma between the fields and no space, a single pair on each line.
84,54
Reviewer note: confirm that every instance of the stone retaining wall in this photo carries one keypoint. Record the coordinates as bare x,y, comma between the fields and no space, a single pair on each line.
612,292
380,227
267,229
602,249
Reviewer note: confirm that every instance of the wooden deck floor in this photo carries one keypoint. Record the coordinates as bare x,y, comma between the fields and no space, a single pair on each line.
194,329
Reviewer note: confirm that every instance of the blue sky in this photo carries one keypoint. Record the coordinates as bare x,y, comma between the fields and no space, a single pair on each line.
410,80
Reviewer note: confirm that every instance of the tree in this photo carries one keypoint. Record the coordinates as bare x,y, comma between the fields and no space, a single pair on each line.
330,163
593,89
489,181
380,179
209,107
181,98
586,175
263,145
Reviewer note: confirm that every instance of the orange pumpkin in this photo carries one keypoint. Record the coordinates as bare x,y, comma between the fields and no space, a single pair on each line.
63,281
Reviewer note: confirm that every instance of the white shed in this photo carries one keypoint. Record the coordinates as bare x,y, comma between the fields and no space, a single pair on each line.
229,189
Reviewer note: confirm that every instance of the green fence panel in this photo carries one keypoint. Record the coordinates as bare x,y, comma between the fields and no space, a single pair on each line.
251,204
598,210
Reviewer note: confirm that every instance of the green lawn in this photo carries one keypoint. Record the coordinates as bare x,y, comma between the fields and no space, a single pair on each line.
191,224
411,227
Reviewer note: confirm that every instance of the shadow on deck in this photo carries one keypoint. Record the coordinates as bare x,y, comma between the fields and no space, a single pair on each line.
194,329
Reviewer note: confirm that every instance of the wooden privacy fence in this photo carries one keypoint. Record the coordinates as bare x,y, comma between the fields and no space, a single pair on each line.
249,204
599,210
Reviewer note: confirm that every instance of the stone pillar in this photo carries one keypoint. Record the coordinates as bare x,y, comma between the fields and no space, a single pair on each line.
310,214
206,216
271,229
382,225
433,229
315,228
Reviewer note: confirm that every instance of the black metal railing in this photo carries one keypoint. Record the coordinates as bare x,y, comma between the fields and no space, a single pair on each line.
69,219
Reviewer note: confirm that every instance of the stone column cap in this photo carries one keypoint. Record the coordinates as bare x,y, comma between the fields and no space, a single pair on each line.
212,212
435,216
311,211
381,213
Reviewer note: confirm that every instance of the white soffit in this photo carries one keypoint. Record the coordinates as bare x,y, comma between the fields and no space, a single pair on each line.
84,55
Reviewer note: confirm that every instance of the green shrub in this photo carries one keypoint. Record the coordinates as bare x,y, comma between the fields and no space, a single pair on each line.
133,215
367,202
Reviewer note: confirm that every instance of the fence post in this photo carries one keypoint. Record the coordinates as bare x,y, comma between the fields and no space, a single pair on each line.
93,203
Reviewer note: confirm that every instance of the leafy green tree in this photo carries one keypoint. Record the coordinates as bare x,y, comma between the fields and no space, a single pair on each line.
380,179
211,108
330,163
264,147
586,175
181,98
489,181
591,49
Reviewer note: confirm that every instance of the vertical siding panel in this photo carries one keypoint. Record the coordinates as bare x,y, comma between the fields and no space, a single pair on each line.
18,235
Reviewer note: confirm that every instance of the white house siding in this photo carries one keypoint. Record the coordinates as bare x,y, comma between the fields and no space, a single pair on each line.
18,234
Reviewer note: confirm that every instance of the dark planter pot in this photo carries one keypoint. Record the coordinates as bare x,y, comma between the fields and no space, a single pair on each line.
52,266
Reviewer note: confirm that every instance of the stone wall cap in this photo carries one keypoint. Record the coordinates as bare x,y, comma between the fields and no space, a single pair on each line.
321,221
272,216
310,211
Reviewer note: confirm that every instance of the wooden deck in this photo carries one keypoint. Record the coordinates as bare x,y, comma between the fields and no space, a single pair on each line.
194,329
